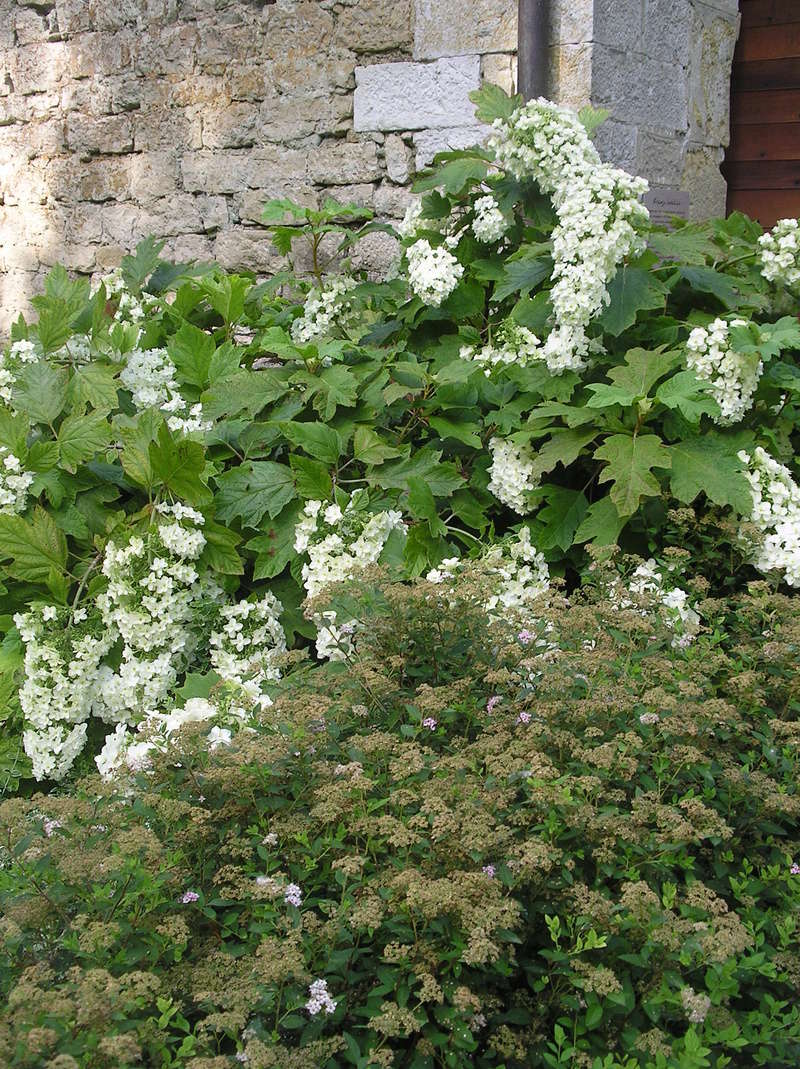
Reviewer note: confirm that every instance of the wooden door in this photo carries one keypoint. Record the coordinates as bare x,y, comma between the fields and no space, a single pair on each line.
762,164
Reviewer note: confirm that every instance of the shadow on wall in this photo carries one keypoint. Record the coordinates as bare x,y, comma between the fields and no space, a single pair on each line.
122,118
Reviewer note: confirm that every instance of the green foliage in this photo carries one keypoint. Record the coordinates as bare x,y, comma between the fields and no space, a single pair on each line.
596,868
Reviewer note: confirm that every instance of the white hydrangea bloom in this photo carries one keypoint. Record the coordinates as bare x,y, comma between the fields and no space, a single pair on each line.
248,640
780,253
14,483
19,353
732,377
411,221
339,543
776,513
149,374
324,309
60,688
489,223
513,345
599,216
433,273
128,307
512,474
678,614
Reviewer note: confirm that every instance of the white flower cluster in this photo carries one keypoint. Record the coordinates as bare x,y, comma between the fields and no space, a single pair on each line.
60,690
131,751
149,374
489,223
14,482
154,593
249,639
433,273
339,543
516,566
20,352
677,613
512,474
780,253
129,308
732,377
599,213
324,309
411,221
776,513
513,345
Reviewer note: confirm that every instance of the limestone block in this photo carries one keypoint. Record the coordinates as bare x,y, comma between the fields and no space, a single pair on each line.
378,254
500,70
397,157
667,30
153,175
188,248
219,172
83,225
163,129
95,181
39,67
659,158
617,143
638,89
42,105
337,162
232,126
109,257
569,75
111,135
29,26
293,118
213,212
170,51
247,82
80,258
249,206
704,181
379,26
572,21
240,246
120,224
392,200
73,16
299,28
16,290
448,28
416,96
623,23
713,39
429,142
362,194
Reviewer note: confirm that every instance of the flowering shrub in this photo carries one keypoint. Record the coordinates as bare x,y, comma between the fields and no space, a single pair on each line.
544,366
461,847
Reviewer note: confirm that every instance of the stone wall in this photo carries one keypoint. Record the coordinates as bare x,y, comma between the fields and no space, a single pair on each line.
662,67
121,118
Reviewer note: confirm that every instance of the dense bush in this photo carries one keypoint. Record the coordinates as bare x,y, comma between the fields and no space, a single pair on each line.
181,446
466,846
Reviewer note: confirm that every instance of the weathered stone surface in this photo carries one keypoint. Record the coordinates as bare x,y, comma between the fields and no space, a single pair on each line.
429,142
636,88
392,200
659,157
112,135
416,96
712,41
704,181
448,28
246,247
617,142
572,21
378,254
380,26
569,76
249,206
397,157
342,162
500,70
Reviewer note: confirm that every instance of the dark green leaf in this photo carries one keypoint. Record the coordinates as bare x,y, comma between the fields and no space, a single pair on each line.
630,463
317,439
178,464
41,391
253,490
709,464
35,548
631,290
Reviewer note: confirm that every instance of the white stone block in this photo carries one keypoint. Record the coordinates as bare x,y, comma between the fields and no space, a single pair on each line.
416,96
429,142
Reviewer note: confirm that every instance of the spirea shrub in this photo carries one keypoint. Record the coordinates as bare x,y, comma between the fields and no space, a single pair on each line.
543,361
553,839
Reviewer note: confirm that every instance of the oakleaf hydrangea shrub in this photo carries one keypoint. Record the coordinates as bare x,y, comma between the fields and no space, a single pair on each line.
551,839
542,361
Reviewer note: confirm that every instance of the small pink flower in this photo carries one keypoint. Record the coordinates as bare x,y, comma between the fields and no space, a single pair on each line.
795,869
525,636
489,870
492,703
49,825
524,718
190,896
430,723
